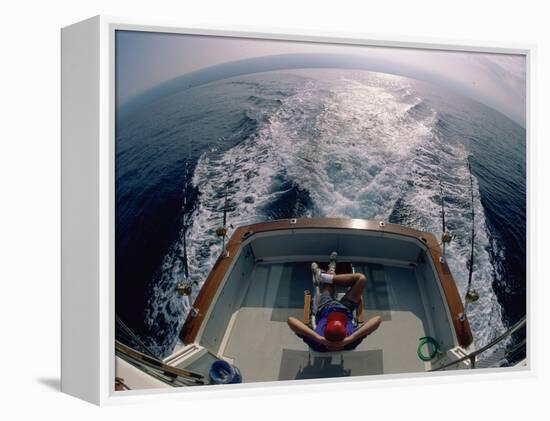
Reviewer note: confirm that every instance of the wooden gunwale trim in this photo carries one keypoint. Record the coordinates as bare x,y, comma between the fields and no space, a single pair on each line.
202,303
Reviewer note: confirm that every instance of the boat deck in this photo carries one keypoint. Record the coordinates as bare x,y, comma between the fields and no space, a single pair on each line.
274,352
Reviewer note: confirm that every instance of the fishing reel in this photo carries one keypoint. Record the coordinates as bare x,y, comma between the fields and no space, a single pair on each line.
446,237
184,289
221,232
472,296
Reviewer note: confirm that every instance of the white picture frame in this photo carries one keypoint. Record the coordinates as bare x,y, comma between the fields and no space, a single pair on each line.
88,206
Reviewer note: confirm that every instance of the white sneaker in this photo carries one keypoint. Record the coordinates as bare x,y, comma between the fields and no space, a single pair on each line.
316,272
332,263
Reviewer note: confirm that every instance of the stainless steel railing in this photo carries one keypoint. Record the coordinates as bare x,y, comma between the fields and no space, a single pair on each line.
472,357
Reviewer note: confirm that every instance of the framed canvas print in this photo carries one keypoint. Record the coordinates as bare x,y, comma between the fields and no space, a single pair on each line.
242,208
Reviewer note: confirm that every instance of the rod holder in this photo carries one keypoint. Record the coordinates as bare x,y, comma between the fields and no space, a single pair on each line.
222,233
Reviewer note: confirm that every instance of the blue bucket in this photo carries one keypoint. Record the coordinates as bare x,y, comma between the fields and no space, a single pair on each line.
221,372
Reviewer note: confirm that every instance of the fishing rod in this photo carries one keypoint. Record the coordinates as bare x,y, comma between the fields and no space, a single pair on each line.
473,228
124,328
185,288
225,209
185,261
471,294
184,223
446,236
159,367
222,231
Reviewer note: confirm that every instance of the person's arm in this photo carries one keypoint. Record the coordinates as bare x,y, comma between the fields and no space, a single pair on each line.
368,327
303,330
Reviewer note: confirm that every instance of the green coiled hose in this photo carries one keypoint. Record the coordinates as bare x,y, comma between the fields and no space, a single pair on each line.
427,340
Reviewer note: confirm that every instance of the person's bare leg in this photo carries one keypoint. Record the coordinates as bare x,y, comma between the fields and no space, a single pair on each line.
357,282
329,288
347,279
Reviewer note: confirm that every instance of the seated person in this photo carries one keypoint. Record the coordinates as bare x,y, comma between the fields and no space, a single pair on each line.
334,329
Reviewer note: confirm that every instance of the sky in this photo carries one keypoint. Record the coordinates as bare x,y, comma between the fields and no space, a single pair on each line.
146,59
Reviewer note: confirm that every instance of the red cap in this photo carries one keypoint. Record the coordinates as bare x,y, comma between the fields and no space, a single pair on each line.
335,330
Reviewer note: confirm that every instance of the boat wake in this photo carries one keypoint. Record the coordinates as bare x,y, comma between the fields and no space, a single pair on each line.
349,144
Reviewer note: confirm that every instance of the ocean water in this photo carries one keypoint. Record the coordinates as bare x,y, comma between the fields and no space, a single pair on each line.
323,143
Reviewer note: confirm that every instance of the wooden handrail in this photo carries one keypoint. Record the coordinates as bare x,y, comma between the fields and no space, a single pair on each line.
206,295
